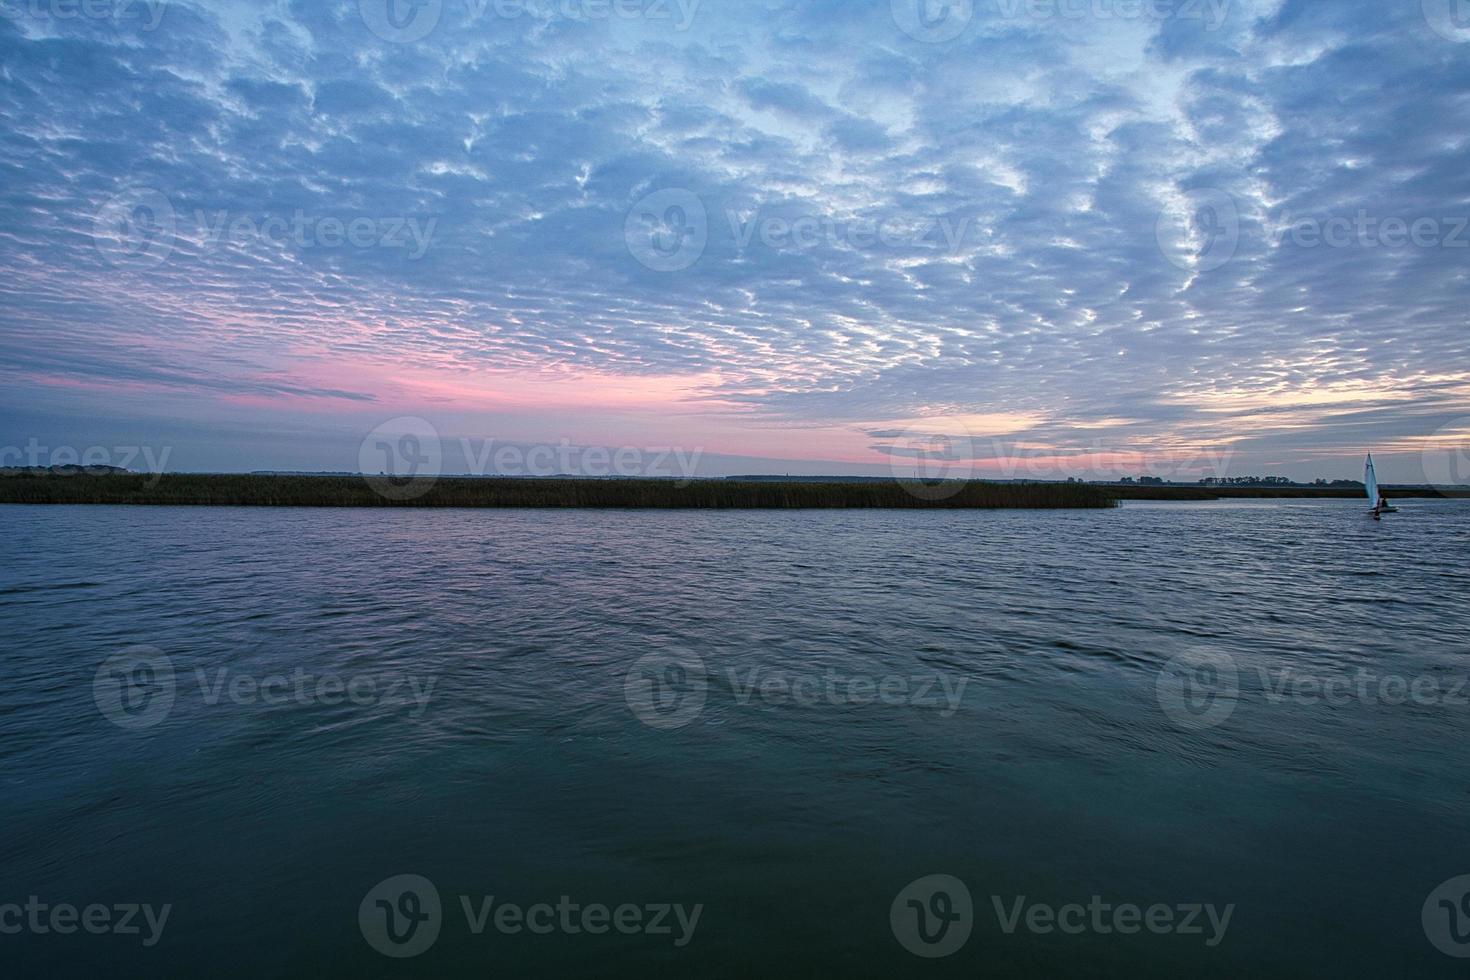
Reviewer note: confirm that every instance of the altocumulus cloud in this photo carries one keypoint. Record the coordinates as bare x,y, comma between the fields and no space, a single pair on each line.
1123,189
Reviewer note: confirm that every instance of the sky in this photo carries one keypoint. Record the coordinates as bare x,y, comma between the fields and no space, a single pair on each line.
999,238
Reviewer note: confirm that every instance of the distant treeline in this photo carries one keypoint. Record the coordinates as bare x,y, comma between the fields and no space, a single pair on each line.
1146,492
357,491
76,486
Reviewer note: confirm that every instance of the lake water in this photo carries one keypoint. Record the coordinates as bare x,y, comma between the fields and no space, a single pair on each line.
783,722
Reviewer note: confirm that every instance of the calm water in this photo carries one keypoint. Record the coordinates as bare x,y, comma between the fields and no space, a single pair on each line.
1036,704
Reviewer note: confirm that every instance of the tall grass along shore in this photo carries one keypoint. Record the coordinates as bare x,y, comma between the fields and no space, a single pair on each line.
79,486
357,491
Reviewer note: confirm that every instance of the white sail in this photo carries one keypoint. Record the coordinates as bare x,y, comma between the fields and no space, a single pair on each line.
1370,480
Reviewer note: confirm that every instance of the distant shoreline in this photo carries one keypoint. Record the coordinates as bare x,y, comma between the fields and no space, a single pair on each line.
1146,492
500,492
357,491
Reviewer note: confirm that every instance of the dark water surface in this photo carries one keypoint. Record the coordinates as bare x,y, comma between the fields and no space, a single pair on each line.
1037,704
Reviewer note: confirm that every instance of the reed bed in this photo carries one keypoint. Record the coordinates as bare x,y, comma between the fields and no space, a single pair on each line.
357,491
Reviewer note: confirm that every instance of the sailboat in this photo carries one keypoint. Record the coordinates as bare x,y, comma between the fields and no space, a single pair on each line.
1370,482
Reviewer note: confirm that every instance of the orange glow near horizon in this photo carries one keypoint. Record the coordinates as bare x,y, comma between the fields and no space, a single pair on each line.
593,407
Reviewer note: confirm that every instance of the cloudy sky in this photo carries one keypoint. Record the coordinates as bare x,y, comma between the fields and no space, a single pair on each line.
1021,237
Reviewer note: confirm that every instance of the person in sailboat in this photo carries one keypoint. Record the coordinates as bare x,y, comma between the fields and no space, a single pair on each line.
1375,497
